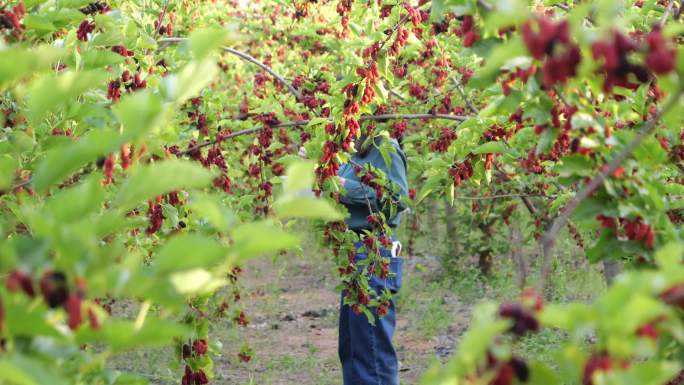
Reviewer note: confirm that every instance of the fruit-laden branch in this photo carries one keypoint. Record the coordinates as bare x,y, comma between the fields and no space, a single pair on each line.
305,122
548,239
161,17
500,196
245,57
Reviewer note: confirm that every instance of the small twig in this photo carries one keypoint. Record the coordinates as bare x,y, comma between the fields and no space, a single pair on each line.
488,7
305,122
161,17
465,98
525,199
246,57
566,8
18,185
666,14
548,239
394,93
394,29
563,7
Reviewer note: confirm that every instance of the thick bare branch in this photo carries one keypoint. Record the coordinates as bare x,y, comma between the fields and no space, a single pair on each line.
305,122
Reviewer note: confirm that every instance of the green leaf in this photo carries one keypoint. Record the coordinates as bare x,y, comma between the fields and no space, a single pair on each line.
99,58
149,181
300,177
490,148
8,165
109,38
76,202
189,251
437,10
24,319
670,254
385,149
21,370
196,281
189,81
25,62
541,374
210,207
258,238
645,373
575,165
38,23
306,207
49,93
204,41
546,141
473,346
499,56
650,153
139,113
64,160
124,335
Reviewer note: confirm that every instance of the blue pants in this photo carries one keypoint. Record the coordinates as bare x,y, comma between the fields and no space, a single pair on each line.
366,351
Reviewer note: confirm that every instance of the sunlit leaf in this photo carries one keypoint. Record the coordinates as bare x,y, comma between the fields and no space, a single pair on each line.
49,93
188,251
306,207
148,181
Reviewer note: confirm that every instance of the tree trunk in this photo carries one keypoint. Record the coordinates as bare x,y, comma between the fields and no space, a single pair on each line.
611,268
485,256
432,220
515,239
449,213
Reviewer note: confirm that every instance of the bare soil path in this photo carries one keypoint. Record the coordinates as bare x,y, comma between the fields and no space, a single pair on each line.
293,305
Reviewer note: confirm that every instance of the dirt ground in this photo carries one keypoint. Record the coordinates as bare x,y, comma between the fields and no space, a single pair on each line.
293,307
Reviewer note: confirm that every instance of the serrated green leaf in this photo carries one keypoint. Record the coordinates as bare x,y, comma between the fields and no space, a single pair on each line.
21,370
306,207
149,181
25,62
490,148
64,160
258,238
188,251
139,113
49,93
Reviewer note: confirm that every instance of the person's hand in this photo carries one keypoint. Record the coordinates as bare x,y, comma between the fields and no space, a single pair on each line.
302,152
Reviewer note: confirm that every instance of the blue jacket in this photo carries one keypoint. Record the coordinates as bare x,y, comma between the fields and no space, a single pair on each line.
359,195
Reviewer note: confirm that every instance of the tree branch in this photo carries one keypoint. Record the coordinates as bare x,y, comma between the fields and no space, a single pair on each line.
525,199
666,14
499,196
245,57
16,186
465,98
548,239
161,17
305,122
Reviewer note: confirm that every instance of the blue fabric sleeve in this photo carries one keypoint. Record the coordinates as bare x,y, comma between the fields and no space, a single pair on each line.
358,193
